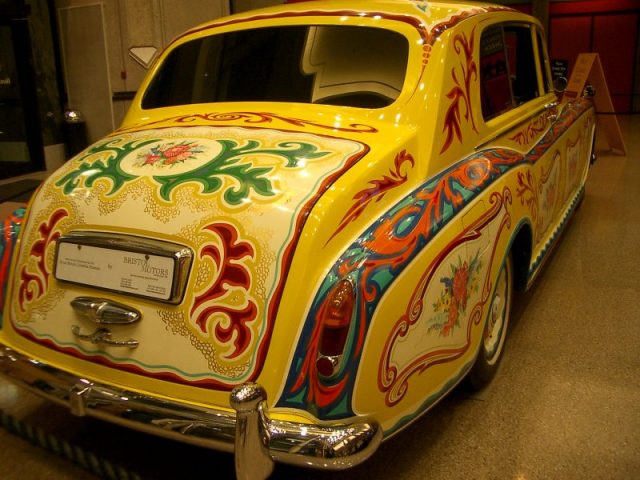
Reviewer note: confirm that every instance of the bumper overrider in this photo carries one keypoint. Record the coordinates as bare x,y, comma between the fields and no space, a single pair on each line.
256,439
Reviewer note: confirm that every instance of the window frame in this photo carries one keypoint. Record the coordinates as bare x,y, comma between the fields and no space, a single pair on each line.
540,60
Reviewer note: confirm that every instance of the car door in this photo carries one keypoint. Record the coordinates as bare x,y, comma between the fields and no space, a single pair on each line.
518,105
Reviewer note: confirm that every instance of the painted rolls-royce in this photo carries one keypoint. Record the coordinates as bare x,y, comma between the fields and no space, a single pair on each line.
307,230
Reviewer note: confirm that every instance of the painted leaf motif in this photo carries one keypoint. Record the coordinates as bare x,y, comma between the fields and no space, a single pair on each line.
88,172
247,177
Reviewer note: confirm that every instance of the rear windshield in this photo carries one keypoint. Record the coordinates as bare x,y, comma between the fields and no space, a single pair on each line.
337,65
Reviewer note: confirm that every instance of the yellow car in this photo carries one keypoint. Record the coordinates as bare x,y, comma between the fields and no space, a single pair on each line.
307,230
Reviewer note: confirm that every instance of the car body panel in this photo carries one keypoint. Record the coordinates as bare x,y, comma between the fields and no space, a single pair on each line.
418,204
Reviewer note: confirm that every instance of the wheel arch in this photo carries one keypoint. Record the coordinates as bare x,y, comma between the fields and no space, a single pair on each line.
520,251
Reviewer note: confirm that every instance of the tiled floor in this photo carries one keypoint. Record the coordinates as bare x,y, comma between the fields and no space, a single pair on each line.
565,405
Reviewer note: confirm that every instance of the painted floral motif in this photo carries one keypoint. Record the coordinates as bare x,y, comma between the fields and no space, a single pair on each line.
393,379
104,161
169,154
452,302
373,262
549,185
528,193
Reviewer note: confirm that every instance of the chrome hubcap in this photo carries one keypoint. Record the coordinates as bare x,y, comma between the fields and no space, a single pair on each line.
498,318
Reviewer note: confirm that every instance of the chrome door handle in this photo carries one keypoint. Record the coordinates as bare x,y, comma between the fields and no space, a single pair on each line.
552,113
102,336
105,312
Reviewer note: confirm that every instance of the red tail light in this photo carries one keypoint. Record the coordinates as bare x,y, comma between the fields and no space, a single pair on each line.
335,327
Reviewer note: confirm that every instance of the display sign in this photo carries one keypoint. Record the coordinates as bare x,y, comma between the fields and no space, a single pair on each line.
559,68
123,271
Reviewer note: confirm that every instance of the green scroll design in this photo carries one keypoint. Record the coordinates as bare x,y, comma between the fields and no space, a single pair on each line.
247,176
227,163
89,171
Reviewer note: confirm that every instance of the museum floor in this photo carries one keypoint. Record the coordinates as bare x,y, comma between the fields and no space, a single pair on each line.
565,405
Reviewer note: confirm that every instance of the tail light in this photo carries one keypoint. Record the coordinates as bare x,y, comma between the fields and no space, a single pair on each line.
335,326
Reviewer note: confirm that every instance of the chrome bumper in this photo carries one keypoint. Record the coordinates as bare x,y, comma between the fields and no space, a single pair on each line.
256,439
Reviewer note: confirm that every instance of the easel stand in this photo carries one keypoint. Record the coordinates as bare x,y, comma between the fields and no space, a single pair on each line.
588,69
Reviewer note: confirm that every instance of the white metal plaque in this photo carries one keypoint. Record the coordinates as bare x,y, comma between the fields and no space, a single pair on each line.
119,270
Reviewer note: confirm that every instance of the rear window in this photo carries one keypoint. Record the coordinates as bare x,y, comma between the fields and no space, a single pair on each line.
338,65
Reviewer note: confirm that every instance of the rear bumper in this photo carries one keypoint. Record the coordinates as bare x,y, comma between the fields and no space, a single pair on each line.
256,439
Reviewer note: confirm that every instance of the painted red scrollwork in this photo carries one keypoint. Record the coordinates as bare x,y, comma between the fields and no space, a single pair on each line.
394,381
33,284
376,191
460,93
253,118
228,322
533,129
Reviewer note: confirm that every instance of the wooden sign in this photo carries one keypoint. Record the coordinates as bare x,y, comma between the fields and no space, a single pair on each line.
588,70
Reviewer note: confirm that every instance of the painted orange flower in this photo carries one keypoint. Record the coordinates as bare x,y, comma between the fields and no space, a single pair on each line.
169,154
460,281
451,305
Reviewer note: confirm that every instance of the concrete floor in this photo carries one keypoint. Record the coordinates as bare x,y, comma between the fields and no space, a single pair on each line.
565,404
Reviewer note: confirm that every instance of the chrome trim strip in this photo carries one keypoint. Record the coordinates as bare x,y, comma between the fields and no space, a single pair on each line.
331,446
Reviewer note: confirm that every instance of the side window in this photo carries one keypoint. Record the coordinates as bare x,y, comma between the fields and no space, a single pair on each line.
507,69
495,88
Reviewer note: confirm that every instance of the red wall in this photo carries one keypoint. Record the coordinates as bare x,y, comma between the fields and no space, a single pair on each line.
609,28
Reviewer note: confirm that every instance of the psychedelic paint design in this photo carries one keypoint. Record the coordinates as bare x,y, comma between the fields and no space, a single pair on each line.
472,293
237,197
377,190
380,255
373,262
459,285
460,93
8,237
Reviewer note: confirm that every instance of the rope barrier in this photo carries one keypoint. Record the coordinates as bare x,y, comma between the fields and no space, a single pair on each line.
87,460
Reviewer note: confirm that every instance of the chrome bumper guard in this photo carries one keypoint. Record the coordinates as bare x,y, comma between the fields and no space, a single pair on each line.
256,439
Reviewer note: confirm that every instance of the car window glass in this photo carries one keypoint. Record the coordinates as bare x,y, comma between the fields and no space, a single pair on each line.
339,65
495,85
507,69
522,64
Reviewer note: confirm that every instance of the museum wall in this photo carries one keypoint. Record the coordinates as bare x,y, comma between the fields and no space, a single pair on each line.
100,42
608,27
101,75
83,51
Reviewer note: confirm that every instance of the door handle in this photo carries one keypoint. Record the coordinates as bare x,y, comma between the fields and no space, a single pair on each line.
552,111
102,336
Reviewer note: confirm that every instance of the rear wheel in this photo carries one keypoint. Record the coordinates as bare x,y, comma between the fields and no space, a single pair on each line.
495,329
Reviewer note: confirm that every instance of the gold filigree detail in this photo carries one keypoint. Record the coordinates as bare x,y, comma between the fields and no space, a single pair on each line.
177,325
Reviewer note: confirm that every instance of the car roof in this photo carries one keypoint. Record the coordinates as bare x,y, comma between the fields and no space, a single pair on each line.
429,13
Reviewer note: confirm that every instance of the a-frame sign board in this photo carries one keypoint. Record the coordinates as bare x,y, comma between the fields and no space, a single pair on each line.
589,69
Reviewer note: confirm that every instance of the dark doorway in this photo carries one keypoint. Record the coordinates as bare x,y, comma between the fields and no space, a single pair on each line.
20,140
